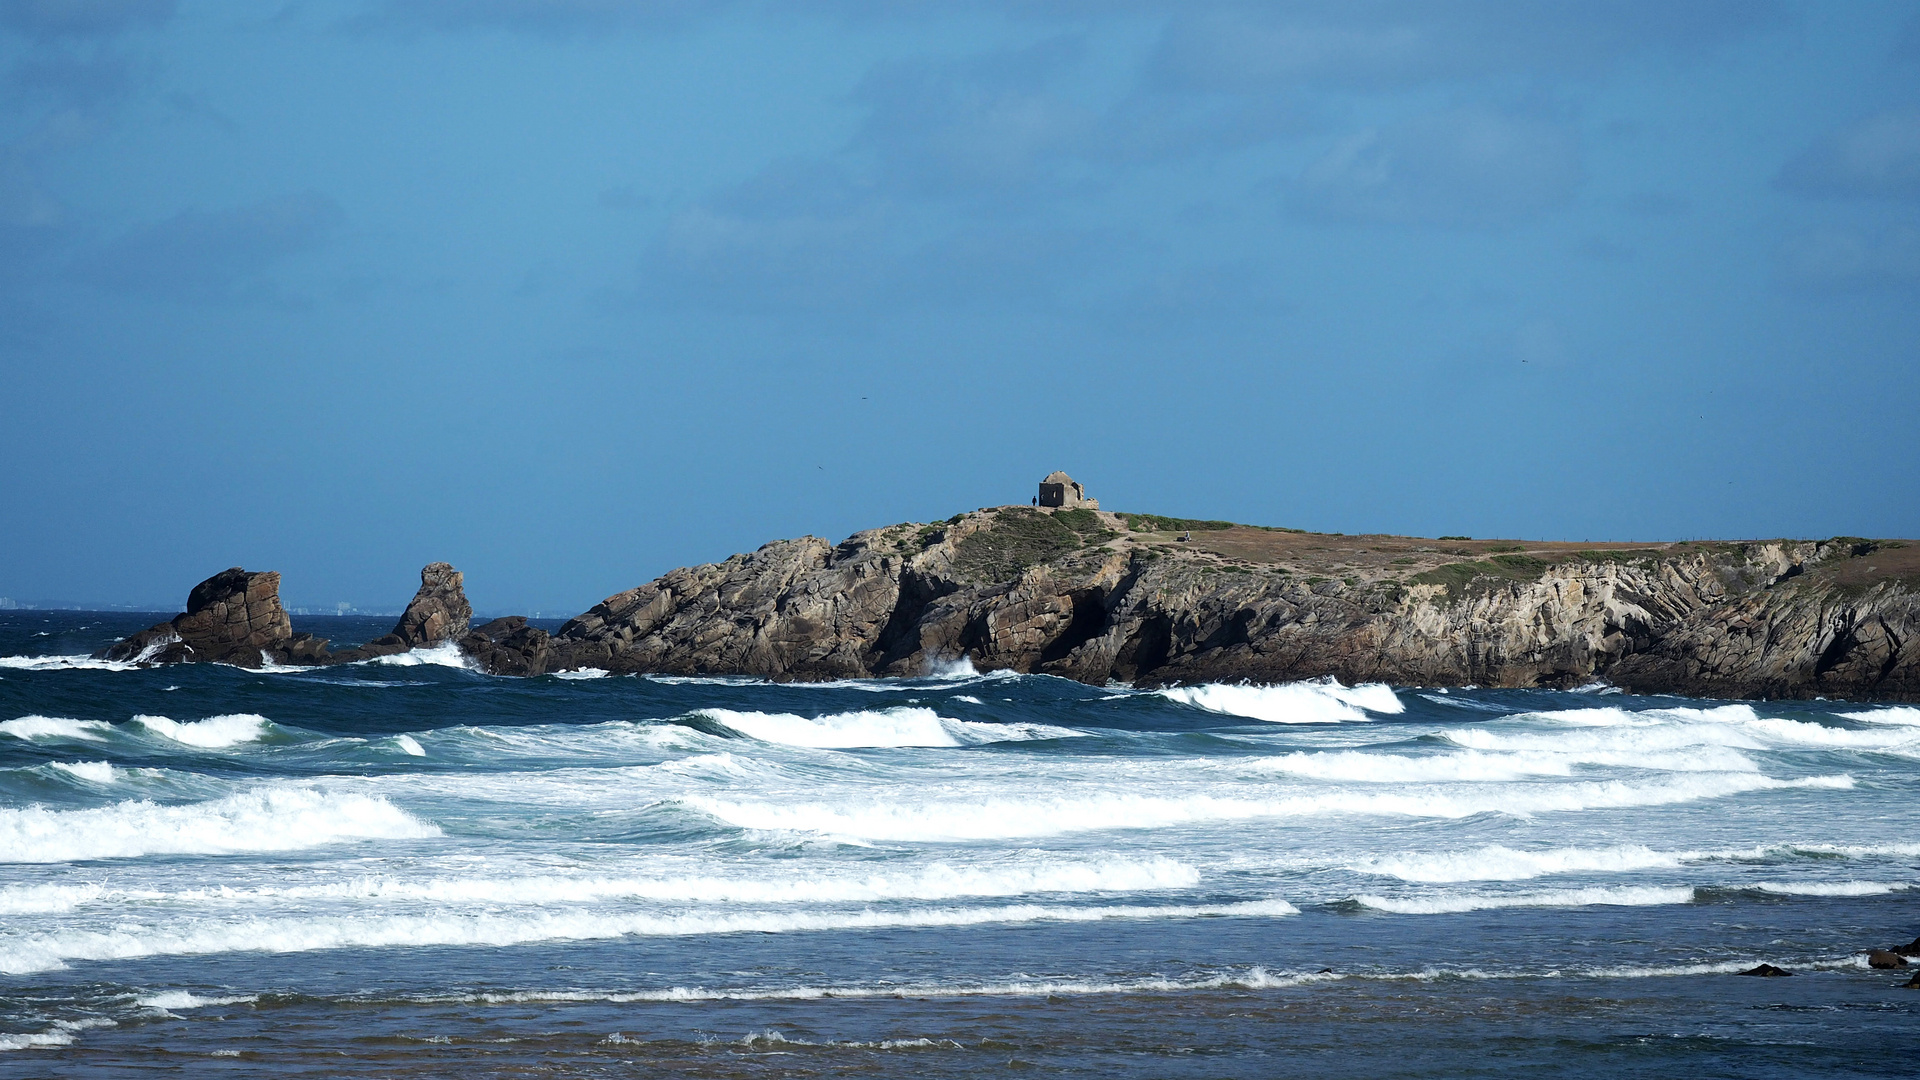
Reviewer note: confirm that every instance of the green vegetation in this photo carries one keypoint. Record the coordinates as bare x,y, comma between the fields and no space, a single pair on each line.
1630,556
1456,538
1156,523
1507,547
1409,561
1459,578
1856,545
1017,539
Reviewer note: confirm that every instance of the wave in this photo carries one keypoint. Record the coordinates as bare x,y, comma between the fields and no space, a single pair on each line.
65,663
60,1034
1316,702
183,999
96,772
1829,888
938,881
445,654
987,819
1896,714
1500,863
897,727
262,819
56,727
1481,766
212,733
1612,896
51,951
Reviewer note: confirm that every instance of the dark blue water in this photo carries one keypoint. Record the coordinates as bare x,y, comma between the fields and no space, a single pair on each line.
407,868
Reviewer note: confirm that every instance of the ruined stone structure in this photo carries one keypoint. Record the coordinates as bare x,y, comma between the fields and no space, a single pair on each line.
1062,491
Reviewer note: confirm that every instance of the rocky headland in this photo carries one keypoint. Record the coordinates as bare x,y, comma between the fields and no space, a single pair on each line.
1098,596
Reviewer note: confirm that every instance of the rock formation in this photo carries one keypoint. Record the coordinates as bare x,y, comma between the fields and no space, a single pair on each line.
1148,600
235,617
1885,959
1097,597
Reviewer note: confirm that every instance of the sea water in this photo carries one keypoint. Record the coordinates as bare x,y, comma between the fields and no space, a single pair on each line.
408,868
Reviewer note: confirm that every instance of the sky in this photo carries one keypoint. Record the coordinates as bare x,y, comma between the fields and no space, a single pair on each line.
571,292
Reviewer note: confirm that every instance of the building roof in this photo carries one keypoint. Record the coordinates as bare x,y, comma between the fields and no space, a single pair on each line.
1057,478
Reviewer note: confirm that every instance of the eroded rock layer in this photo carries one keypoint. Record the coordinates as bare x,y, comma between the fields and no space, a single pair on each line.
1098,597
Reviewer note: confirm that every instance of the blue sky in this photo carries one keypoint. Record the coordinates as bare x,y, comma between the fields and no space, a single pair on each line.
572,292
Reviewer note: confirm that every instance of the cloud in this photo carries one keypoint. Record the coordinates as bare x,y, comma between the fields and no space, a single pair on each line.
219,256
1380,44
1878,157
1463,167
82,18
1844,260
549,18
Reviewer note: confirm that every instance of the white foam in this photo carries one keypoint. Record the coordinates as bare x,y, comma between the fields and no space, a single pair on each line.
583,673
445,654
56,727
50,951
1317,702
1830,888
938,881
409,745
60,1034
182,999
212,733
1621,896
997,818
1500,863
898,727
98,772
1896,714
1478,766
262,819
67,663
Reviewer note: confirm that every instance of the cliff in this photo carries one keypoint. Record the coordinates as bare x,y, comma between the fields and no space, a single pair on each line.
1099,596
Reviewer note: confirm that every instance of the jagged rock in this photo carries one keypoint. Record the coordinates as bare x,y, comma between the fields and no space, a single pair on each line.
1885,959
1767,971
1911,949
509,647
1079,593
233,617
439,612
1913,983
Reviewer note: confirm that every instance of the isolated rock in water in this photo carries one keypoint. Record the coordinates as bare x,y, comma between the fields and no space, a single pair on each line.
232,617
509,647
1907,950
1885,959
1767,971
439,611
1913,983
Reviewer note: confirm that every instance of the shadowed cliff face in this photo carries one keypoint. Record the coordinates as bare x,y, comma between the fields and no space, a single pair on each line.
1098,597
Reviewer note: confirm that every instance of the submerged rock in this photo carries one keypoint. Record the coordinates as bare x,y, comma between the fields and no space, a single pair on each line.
233,617
1885,959
1912,949
1767,971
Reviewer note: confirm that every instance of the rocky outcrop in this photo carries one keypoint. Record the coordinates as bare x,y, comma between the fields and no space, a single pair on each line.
1885,959
1767,971
1098,597
233,617
1102,597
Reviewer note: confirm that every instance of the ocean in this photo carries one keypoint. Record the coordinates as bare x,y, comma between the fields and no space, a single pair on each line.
406,868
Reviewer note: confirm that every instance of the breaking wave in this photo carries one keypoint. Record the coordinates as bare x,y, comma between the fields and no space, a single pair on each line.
1619,896
882,728
262,819
1317,702
51,951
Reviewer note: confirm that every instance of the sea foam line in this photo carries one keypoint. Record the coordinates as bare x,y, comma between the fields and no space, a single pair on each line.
51,951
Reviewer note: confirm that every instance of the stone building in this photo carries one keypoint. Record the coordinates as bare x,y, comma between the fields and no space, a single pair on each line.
1061,490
